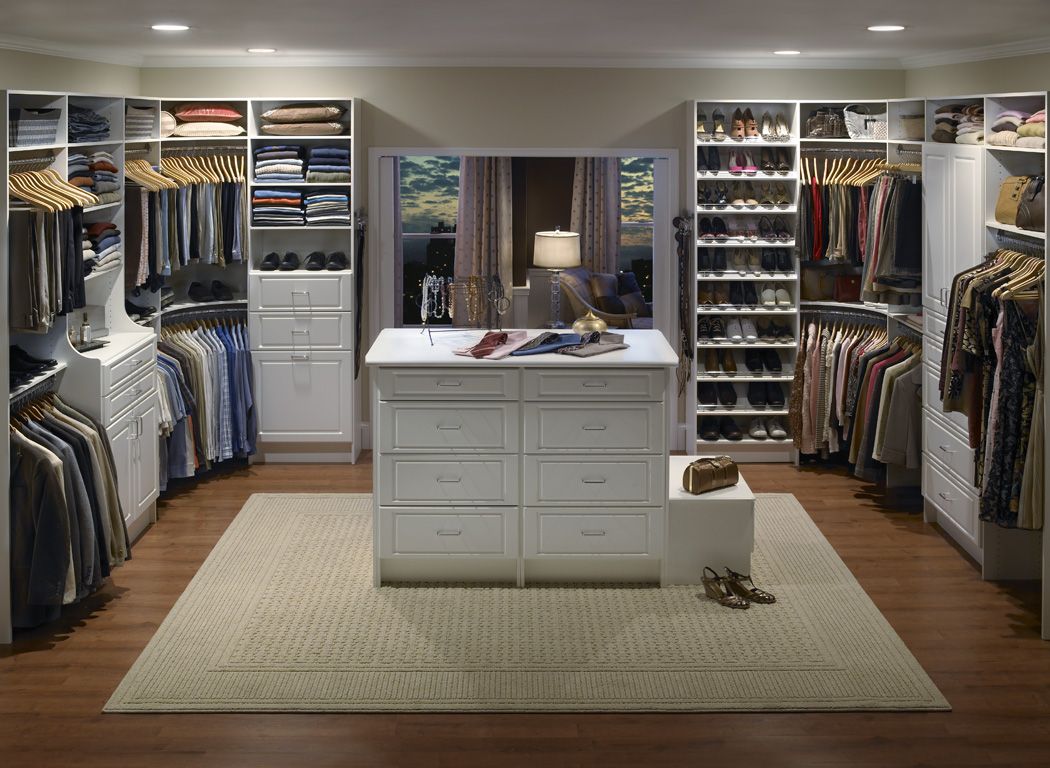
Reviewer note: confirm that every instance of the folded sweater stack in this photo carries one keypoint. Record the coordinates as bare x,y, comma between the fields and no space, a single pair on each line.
328,209
279,163
102,250
959,124
277,207
329,165
86,125
304,119
1016,128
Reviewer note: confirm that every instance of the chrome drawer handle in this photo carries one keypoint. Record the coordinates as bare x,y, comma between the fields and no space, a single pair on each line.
300,293
595,384
137,363
585,532
945,496
450,479
300,333
449,533
450,383
595,428
450,426
945,449
299,357
594,480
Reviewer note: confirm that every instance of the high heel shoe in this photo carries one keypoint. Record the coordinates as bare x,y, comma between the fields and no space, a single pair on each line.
765,197
736,163
701,127
743,587
714,163
737,195
719,119
721,195
737,131
718,228
767,127
781,232
782,128
781,196
750,169
749,195
783,162
767,161
703,194
765,228
704,230
701,163
717,587
750,126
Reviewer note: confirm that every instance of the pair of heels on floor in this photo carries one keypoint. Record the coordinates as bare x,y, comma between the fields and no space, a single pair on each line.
734,590
743,126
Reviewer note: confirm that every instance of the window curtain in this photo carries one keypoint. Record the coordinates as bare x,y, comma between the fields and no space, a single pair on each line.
484,231
596,212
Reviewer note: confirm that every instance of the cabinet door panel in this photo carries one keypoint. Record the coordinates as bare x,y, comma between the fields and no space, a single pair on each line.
304,397
936,171
122,443
146,460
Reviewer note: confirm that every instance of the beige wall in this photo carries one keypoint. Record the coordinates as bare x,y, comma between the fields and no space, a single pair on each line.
36,72
1022,73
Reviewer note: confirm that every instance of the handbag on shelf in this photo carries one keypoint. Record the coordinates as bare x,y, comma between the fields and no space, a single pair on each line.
861,123
817,285
710,474
1011,193
825,123
1031,213
847,288
911,127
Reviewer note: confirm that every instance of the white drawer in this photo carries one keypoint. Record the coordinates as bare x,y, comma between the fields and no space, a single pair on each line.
953,500
612,481
931,354
553,531
332,292
115,404
931,399
125,368
934,326
415,480
599,384
422,531
949,448
446,384
611,428
414,426
331,330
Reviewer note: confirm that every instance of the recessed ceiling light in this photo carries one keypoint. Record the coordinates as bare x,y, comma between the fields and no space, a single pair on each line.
885,28
787,53
169,27
262,50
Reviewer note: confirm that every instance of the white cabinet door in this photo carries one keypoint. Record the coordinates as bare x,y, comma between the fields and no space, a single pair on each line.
122,442
304,396
966,203
146,459
936,186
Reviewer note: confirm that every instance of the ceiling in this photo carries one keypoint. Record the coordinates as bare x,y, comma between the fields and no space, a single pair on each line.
830,33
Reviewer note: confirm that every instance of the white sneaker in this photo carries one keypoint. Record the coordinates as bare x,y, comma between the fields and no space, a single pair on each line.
733,330
782,296
768,295
757,430
747,325
776,429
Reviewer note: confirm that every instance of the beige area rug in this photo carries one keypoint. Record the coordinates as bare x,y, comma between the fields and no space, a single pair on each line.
282,617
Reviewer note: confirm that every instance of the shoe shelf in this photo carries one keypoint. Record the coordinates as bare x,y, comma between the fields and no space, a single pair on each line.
778,441
745,244
749,411
819,140
745,378
730,143
726,343
735,277
731,210
61,366
757,176
737,309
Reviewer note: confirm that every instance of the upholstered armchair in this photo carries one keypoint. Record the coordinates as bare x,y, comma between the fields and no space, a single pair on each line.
577,285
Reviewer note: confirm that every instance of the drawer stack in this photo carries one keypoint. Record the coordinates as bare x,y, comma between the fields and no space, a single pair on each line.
301,331
593,474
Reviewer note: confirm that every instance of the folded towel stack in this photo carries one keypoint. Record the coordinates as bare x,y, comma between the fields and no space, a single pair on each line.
86,125
1016,128
328,209
329,165
279,163
277,207
102,250
139,122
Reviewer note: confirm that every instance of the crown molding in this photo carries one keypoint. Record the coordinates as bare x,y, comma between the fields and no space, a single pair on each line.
47,48
984,53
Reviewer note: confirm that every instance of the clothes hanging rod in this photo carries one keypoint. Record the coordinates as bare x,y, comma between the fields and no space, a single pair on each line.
189,314
20,399
1028,247
855,151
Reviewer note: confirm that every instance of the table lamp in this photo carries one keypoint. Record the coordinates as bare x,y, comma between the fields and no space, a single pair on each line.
555,251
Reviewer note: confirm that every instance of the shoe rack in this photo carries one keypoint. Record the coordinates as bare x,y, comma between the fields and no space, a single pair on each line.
746,292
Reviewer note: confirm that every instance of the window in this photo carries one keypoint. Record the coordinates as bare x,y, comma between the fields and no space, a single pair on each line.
429,199
636,221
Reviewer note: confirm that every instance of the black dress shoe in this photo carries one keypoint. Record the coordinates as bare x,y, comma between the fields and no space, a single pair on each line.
784,261
774,395
771,360
729,428
337,261
135,309
756,394
290,262
314,262
717,328
753,360
726,394
708,429
198,292
19,354
769,260
750,294
719,262
736,294
714,164
270,262
703,259
703,328
706,394
220,291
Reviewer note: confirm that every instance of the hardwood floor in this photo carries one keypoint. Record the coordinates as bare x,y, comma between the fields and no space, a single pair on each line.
978,641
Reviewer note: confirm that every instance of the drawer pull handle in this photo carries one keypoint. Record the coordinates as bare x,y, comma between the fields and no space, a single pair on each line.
946,449
945,496
585,532
300,333
300,293
595,428
137,363
450,479
452,427
594,384
594,480
299,357
450,383
449,533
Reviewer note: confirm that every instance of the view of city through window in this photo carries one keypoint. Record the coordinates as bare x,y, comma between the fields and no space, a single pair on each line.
429,197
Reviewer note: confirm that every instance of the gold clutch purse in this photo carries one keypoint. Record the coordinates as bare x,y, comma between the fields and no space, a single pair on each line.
705,475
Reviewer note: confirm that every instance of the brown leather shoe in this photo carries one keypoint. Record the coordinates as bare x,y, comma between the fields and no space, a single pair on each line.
727,361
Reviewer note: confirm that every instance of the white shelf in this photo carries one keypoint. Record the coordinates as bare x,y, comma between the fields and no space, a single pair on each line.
729,210
119,344
757,176
301,272
282,184
783,378
149,140
36,147
744,143
183,305
771,442
748,277
302,228
37,379
100,273
719,410
745,244
736,309
293,139
905,141
184,139
726,344
1016,230
815,140
103,207
89,144
1029,150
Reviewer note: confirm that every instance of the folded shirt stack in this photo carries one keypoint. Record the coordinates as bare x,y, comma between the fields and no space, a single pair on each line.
33,127
279,163
329,165
139,122
102,250
277,207
78,172
328,209
86,125
105,172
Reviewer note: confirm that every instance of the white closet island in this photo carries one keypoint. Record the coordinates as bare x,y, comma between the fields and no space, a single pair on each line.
530,468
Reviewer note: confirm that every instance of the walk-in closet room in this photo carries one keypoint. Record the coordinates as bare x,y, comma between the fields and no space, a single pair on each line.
601,383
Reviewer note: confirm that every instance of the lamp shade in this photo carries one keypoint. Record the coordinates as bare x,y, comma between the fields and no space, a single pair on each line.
556,250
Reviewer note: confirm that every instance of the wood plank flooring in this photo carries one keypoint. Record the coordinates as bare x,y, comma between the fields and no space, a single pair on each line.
978,641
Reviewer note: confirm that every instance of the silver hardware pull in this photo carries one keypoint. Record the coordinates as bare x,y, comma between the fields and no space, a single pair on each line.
300,333
135,392
595,428
450,383
585,532
945,496
594,384
299,357
452,427
137,363
450,479
449,533
946,449
594,480
300,293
